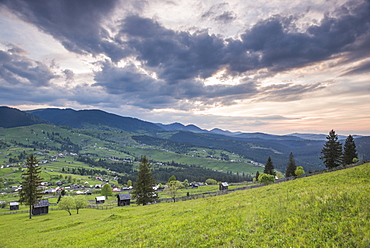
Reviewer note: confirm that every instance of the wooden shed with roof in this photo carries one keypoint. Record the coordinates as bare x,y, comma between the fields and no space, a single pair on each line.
99,199
14,205
123,199
42,207
224,186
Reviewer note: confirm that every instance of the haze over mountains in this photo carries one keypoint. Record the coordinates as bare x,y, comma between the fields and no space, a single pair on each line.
255,146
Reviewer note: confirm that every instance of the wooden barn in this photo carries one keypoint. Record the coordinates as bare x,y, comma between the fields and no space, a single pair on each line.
99,199
123,199
14,205
42,207
224,186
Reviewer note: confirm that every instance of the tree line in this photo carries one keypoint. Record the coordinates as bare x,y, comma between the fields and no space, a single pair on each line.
334,155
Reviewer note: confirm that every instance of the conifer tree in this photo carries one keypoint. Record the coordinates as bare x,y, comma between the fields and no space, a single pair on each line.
269,167
332,151
30,193
349,152
257,175
290,170
143,190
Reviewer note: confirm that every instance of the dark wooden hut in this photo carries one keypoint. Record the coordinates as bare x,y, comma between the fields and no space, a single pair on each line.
123,199
224,186
42,207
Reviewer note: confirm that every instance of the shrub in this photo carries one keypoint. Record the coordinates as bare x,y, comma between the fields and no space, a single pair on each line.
266,178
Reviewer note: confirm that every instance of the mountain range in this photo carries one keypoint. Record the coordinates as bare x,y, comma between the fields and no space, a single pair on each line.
255,146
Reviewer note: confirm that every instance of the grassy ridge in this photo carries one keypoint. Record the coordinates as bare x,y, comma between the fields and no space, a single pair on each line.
328,210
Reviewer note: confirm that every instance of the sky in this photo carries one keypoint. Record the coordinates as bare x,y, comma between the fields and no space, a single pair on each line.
273,66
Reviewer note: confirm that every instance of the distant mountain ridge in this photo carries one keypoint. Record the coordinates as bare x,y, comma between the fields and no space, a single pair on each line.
12,117
255,146
87,119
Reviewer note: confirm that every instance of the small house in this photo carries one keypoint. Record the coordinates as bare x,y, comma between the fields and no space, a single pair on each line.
224,186
50,191
42,207
14,205
123,199
99,199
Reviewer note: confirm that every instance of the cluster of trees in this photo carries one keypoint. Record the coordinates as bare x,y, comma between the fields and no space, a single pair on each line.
22,156
3,144
334,155
72,202
269,173
191,172
84,172
66,143
174,146
31,192
115,166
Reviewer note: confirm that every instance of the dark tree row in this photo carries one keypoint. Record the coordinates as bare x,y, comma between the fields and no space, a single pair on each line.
334,155
116,166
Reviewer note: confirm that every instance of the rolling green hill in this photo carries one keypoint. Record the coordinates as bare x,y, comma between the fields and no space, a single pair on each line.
114,150
327,210
175,141
94,119
11,117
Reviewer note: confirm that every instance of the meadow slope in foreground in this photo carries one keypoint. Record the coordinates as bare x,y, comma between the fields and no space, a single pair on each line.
327,210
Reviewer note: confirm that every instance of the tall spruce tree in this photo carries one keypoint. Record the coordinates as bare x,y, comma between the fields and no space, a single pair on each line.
30,193
269,167
349,152
290,170
332,151
143,190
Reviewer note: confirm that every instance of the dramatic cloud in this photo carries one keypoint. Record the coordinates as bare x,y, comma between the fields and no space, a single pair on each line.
17,69
140,88
141,55
78,25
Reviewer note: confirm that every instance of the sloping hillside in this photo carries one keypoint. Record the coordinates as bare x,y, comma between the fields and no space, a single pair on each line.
11,117
328,210
88,119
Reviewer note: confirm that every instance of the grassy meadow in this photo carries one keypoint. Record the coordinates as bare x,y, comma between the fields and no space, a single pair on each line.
107,144
327,210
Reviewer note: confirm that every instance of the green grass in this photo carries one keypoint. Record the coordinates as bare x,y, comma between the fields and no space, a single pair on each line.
327,210
214,164
108,144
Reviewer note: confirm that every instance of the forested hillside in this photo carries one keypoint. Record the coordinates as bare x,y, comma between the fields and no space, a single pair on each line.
230,153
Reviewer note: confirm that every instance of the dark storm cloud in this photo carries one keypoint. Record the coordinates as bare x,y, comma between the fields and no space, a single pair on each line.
76,24
181,60
344,31
137,87
173,55
272,43
17,69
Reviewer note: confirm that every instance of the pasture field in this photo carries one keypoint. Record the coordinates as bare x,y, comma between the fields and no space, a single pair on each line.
326,210
108,144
